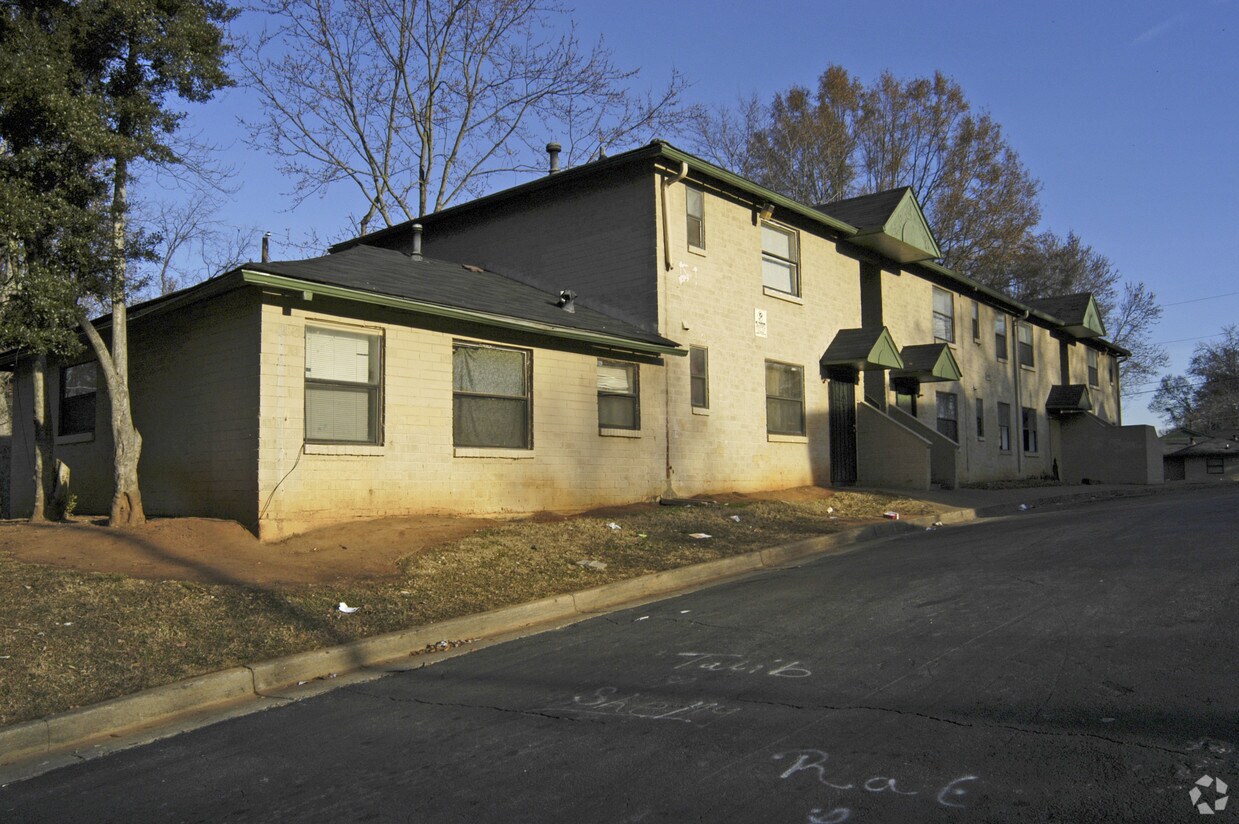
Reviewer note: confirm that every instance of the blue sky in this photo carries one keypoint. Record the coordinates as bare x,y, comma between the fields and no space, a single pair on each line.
1126,112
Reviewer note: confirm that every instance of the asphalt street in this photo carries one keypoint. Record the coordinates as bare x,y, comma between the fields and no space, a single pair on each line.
1066,664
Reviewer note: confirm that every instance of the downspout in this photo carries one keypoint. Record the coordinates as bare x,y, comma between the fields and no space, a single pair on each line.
1019,396
669,490
683,173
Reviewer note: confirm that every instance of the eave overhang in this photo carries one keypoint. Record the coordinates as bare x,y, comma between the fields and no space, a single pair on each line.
1068,399
601,339
859,350
928,363
905,237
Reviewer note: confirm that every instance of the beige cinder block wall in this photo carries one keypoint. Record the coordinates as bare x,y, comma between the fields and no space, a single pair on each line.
194,388
711,297
907,302
417,469
1105,395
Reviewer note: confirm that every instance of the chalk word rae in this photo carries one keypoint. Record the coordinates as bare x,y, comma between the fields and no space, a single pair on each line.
813,762
735,663
608,701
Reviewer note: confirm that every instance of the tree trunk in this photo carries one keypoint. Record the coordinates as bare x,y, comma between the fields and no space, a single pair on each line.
127,442
43,476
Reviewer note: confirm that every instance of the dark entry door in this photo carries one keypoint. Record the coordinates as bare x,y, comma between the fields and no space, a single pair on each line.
842,433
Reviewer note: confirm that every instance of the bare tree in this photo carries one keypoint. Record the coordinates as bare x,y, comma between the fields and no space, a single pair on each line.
1207,398
415,103
189,242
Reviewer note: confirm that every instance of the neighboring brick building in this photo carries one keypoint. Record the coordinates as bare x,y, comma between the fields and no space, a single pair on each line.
376,382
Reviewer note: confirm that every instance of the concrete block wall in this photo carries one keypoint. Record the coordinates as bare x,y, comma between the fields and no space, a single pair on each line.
1094,449
711,297
416,469
1105,395
194,388
907,302
895,455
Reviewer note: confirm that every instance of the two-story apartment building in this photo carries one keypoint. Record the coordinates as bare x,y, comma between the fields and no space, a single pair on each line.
646,324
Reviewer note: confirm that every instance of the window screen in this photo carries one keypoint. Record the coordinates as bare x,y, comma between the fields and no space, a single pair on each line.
619,404
780,260
784,399
491,400
695,208
699,376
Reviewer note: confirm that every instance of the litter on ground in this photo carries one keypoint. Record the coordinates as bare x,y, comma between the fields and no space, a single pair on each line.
700,535
894,516
592,564
736,518
613,525
346,609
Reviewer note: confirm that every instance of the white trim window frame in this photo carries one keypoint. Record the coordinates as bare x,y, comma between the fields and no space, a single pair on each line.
1000,337
343,385
780,259
1004,426
976,322
1094,374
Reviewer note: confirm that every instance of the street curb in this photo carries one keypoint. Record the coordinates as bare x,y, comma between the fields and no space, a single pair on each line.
73,729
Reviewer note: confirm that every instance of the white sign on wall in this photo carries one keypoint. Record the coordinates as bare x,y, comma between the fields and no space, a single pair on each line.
759,323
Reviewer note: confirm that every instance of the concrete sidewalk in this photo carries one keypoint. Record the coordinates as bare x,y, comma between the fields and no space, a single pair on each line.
34,747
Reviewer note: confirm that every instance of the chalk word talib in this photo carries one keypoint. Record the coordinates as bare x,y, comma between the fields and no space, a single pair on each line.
734,662
813,762
608,701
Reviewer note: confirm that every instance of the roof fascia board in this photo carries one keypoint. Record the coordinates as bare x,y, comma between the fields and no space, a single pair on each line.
485,318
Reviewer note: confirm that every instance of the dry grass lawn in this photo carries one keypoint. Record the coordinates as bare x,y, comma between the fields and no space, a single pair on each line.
88,613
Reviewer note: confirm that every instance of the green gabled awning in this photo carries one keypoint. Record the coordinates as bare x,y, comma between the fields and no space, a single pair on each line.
859,350
928,362
1065,399
1078,314
889,222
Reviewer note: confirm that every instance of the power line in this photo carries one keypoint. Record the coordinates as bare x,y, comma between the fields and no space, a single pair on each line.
1198,300
1182,340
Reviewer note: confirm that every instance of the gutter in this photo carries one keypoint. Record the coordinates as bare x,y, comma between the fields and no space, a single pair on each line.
488,319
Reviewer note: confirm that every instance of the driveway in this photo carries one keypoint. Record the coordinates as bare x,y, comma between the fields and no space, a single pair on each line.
1075,664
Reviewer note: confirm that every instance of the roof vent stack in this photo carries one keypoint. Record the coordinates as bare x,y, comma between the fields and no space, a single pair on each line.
552,149
266,247
567,300
417,241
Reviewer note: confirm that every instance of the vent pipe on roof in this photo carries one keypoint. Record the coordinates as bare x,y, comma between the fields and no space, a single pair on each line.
417,241
567,300
553,149
266,247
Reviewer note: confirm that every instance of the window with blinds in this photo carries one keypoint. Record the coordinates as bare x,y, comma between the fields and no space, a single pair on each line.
699,376
619,401
343,386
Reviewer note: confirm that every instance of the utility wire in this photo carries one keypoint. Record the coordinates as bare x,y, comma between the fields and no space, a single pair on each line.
1198,300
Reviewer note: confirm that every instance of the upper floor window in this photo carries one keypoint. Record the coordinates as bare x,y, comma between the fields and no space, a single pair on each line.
699,376
976,322
784,399
780,259
343,385
619,398
980,420
944,315
1093,377
695,209
1000,337
1024,334
492,396
78,390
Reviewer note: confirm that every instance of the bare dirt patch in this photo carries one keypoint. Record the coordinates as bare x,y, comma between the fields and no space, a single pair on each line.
223,552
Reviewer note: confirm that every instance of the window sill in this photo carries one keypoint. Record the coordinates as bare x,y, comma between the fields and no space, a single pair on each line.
773,438
619,433
701,410
355,449
697,250
492,452
80,437
1028,368
777,295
